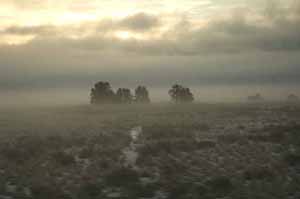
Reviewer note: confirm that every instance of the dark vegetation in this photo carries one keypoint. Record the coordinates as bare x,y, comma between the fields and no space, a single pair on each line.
190,151
293,98
102,93
258,97
180,94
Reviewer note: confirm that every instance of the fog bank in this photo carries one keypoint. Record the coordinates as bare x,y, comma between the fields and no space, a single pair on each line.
204,93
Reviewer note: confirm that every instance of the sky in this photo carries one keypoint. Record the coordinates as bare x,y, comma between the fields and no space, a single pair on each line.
70,44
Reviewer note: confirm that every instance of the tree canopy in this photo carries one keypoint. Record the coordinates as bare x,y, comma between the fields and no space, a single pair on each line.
293,98
142,95
180,94
102,93
258,97
124,95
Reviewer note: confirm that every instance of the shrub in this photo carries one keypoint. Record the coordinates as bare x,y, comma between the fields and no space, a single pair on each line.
179,191
63,158
90,191
258,173
293,159
137,190
23,149
12,153
231,138
220,185
41,191
203,127
277,136
122,177
86,152
206,144
258,138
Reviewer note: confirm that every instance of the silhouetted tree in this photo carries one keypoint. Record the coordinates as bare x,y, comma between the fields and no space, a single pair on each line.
124,95
142,95
256,98
293,98
102,93
180,94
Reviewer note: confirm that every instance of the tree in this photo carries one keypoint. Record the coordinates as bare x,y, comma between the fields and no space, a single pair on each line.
180,94
293,98
142,95
255,98
124,95
102,93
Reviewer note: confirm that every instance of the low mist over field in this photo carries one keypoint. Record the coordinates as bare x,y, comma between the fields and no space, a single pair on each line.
149,99
60,49
203,94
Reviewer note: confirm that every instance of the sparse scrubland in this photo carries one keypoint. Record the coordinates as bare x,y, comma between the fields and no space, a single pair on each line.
182,151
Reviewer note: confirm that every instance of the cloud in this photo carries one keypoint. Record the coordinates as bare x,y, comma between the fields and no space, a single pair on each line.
29,30
27,4
234,34
218,36
243,47
140,22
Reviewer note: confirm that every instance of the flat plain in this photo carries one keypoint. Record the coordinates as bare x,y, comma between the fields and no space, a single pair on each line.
153,151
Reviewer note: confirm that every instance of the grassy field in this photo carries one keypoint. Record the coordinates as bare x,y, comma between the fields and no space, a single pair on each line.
154,151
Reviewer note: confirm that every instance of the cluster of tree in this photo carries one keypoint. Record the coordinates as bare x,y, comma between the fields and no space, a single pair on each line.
293,98
180,94
102,93
257,97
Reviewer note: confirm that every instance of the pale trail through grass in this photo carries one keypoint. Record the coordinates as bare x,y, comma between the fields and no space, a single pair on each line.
130,153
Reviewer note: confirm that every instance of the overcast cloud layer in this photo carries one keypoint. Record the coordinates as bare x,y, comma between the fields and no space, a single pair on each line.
46,44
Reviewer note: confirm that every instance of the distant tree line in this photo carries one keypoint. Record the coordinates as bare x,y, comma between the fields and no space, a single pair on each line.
102,93
259,98
180,94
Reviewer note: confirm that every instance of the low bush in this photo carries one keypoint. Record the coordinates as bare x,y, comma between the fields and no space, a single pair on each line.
220,185
206,144
292,159
41,191
229,138
122,177
63,158
259,173
90,191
